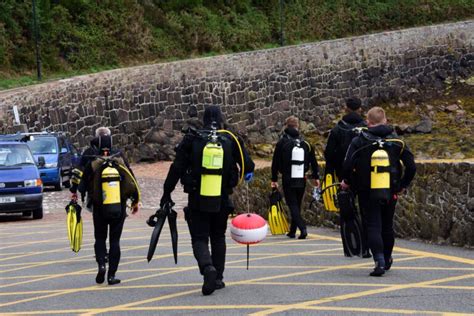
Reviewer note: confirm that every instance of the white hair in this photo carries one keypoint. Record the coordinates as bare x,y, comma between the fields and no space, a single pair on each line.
102,131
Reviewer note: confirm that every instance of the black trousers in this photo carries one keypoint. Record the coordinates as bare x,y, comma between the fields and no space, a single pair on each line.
113,228
293,198
378,216
204,227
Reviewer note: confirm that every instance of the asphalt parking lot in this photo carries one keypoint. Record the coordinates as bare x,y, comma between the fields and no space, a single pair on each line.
40,275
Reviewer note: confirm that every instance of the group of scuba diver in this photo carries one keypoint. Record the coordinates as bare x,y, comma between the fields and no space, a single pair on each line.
211,161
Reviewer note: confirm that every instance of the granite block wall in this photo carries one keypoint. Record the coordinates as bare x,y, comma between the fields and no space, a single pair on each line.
147,106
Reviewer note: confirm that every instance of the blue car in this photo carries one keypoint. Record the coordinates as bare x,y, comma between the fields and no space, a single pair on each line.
21,188
56,157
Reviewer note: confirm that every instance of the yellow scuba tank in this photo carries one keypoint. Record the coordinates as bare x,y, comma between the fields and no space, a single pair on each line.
111,203
212,164
380,175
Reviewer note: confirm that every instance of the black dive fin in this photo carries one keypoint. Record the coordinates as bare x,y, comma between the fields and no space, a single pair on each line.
174,234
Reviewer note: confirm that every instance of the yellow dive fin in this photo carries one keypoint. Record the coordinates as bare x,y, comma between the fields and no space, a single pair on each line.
283,219
330,195
74,226
276,216
273,220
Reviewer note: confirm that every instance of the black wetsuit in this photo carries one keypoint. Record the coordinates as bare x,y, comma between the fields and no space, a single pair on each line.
378,213
281,163
204,220
102,226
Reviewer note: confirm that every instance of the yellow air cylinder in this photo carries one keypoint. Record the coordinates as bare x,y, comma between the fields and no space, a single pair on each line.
380,174
111,189
212,163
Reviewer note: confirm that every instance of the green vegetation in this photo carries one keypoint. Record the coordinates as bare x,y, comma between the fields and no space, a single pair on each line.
79,36
452,134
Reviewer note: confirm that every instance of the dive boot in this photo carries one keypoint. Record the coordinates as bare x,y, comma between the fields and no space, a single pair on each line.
291,235
220,284
209,285
388,264
379,269
100,278
303,234
112,280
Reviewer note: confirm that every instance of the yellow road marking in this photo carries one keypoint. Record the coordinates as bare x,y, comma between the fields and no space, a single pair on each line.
290,284
379,310
435,255
179,294
343,297
246,307
416,252
30,243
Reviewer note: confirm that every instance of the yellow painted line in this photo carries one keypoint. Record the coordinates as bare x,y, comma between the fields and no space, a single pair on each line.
43,232
49,295
343,297
44,263
179,294
447,287
106,288
333,268
355,268
290,284
29,243
244,307
15,227
435,255
50,312
137,309
416,252
379,310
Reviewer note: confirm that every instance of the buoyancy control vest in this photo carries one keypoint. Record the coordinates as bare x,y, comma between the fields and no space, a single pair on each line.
378,167
112,184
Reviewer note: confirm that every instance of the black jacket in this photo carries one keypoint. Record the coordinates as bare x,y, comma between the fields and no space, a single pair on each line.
281,162
339,140
356,168
187,163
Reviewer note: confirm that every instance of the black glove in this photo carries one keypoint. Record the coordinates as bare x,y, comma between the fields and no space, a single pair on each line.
166,198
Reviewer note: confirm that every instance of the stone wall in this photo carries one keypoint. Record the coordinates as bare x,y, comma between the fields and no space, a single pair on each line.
146,106
438,207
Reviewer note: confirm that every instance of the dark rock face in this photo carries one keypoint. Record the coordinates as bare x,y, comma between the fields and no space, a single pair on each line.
438,207
256,90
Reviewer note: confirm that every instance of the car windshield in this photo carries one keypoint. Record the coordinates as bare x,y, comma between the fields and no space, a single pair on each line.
15,155
43,145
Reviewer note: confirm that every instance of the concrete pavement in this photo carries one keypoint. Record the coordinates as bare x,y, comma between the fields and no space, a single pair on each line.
40,275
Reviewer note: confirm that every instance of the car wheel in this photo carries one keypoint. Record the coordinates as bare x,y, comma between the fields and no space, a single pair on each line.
38,214
67,183
27,213
59,185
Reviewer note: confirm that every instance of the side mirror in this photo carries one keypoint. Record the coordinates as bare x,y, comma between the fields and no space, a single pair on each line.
41,161
64,150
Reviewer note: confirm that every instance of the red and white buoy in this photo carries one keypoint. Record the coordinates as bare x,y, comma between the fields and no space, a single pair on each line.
248,229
